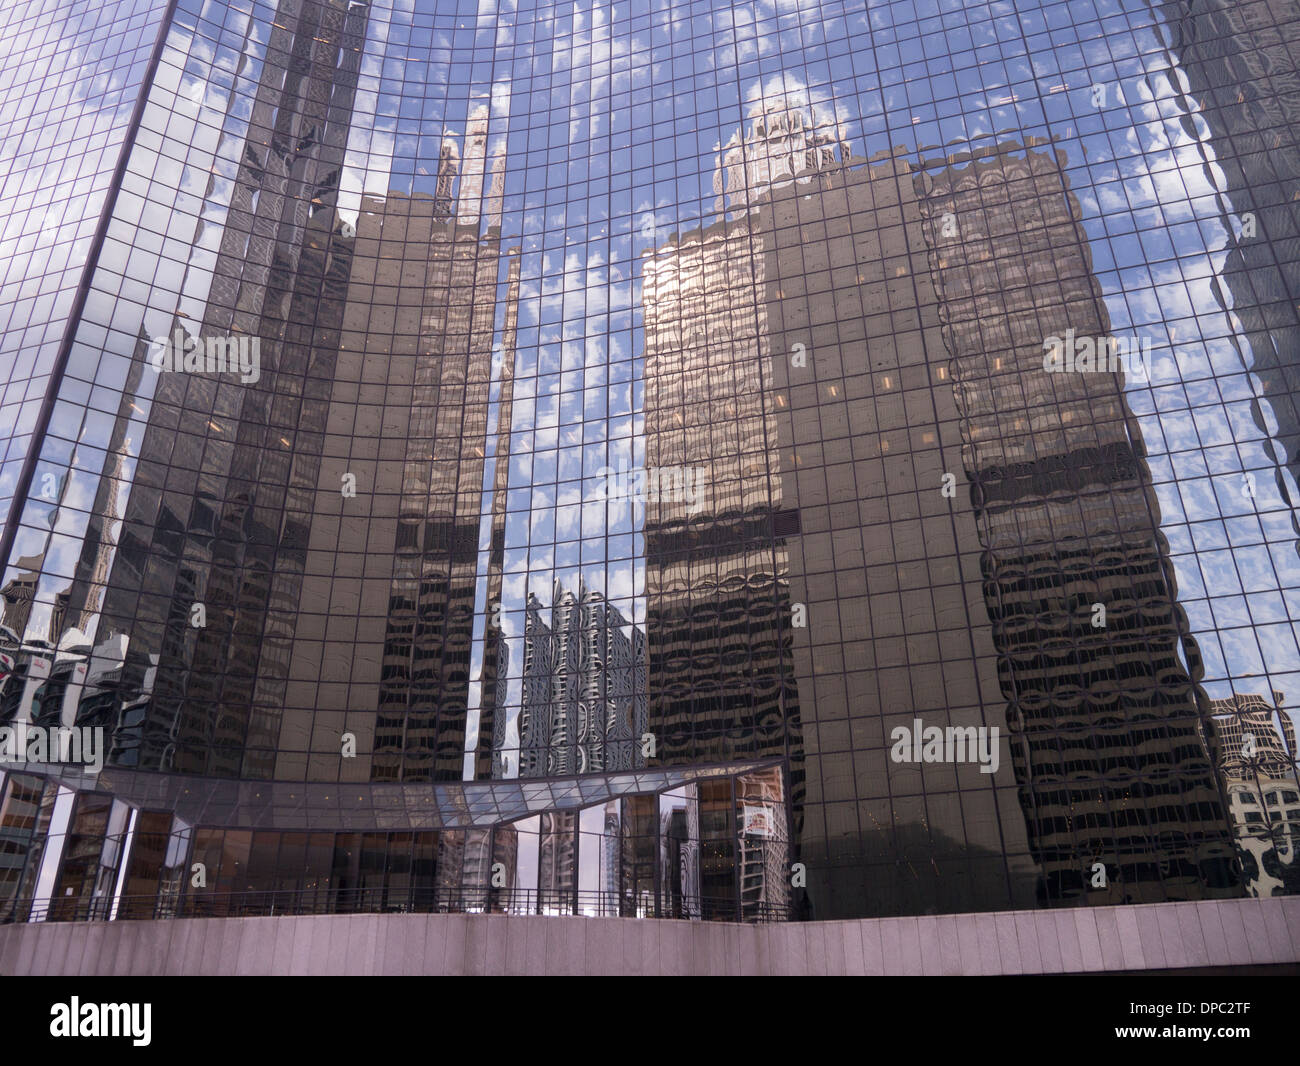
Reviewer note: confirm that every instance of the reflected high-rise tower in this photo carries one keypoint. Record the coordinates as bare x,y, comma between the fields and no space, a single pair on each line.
1254,745
434,284
353,483
584,699
215,557
1093,648
872,338
717,565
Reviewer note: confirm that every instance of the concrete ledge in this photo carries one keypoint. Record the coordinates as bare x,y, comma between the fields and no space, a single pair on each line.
1246,932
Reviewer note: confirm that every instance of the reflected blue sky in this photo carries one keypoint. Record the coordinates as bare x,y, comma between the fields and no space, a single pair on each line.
58,150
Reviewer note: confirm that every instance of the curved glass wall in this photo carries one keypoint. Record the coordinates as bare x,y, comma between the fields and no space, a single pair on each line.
834,461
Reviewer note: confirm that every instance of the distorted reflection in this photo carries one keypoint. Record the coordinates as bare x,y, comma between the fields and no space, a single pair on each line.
827,463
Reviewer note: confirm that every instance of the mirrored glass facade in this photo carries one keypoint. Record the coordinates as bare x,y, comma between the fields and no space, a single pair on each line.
739,459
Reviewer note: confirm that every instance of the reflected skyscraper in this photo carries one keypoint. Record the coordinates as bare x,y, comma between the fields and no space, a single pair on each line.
584,704
717,566
213,558
1254,745
1092,645
855,384
436,281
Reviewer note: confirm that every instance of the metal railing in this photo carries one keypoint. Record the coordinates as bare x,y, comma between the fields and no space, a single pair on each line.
204,903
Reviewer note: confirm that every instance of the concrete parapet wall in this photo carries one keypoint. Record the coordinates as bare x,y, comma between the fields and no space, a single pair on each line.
1243,932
